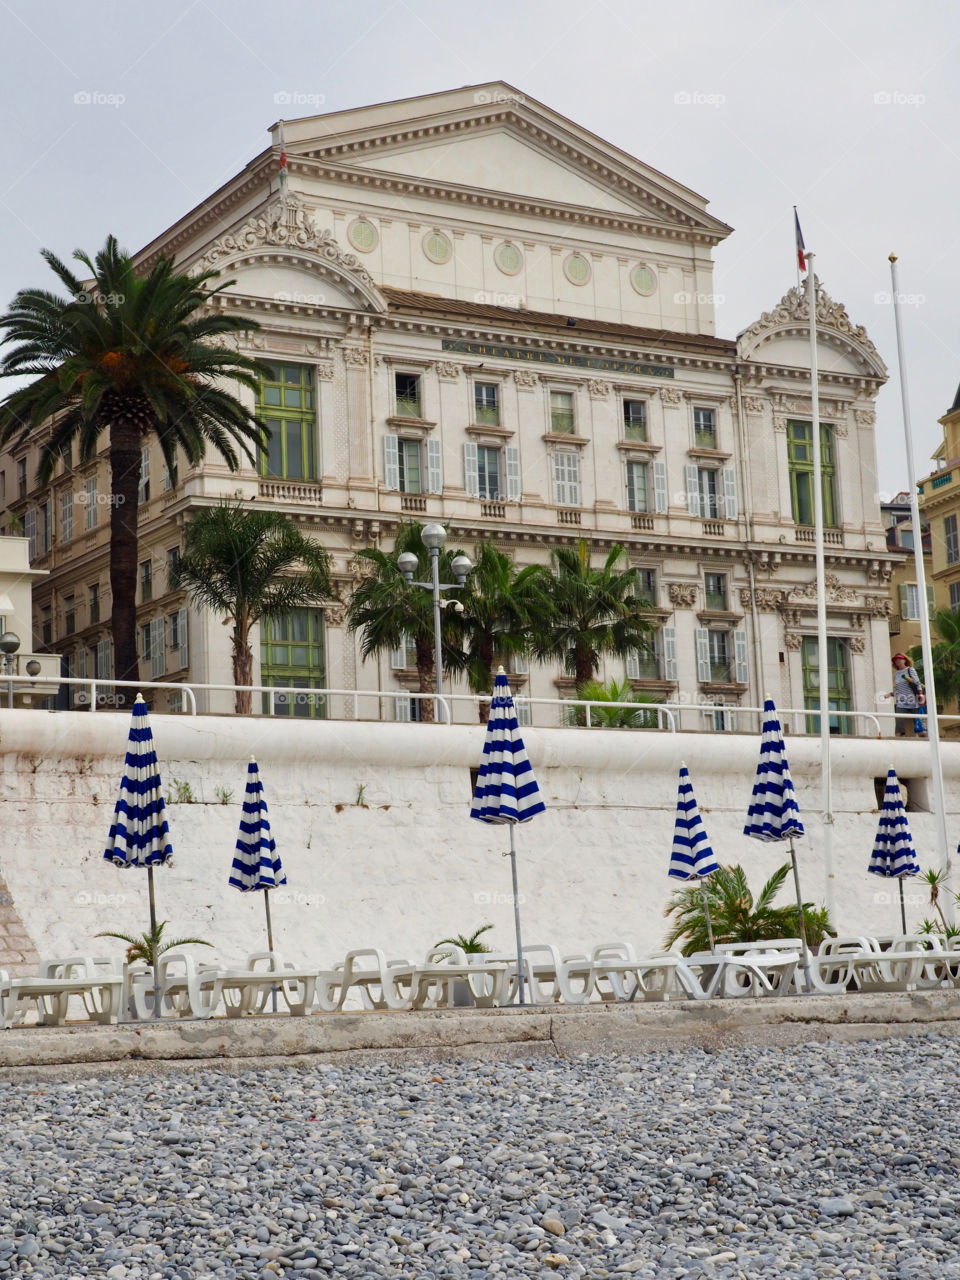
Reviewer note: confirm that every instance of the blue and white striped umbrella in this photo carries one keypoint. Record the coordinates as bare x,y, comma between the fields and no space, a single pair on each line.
139,836
255,861
773,812
692,857
893,854
506,789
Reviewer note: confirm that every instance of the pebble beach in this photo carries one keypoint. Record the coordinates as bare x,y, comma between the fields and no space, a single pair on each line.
815,1161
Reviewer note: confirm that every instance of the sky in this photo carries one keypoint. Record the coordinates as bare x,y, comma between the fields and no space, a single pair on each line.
119,117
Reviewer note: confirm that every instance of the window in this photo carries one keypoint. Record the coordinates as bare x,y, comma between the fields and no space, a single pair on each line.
411,480
45,527
644,664
715,585
910,601
177,629
70,615
522,707
488,472
145,642
708,500
800,462
704,428
955,596
292,656
561,413
635,419
951,540
404,656
158,653
838,672
719,717
3,488
646,591
46,625
21,477
409,710
721,656
66,515
638,486
486,404
173,559
171,475
94,591
403,465
103,660
90,498
143,492
408,395
30,531
286,408
566,478
146,581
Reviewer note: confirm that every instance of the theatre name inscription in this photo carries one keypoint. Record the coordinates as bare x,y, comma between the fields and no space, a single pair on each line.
555,357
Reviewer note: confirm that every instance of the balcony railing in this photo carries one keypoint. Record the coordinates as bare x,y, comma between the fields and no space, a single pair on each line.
408,407
413,502
568,517
291,491
493,510
831,537
641,522
561,422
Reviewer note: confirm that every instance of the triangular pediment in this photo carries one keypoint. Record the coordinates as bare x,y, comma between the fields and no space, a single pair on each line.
495,138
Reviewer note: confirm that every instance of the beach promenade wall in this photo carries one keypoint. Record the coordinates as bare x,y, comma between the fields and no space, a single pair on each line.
371,821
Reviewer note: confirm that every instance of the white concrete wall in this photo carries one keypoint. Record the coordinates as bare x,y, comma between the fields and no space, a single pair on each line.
411,867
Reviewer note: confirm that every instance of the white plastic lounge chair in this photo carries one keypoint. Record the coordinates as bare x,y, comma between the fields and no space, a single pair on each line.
95,981
249,988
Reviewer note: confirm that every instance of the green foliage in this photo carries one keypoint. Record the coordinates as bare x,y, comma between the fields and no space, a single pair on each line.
946,656
471,945
591,612
500,603
223,794
736,916
150,946
614,717
182,792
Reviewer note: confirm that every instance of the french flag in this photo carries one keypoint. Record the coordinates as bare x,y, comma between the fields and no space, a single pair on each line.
801,247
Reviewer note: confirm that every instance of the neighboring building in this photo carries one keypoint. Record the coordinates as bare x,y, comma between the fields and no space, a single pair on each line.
479,312
904,592
32,627
940,507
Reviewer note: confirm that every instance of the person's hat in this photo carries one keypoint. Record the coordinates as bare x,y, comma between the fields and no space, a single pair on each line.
899,655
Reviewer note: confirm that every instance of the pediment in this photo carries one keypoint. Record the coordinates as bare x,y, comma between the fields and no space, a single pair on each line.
782,337
497,139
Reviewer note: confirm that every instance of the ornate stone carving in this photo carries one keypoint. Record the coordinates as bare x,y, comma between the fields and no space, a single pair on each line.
448,370
683,594
284,224
879,606
836,591
793,309
865,417
597,388
325,370
840,430
793,640
857,644
754,404
765,598
355,356
526,379
671,395
335,613
779,422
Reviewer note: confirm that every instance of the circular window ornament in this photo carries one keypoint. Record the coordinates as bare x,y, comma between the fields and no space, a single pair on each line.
576,268
437,246
508,258
362,235
644,280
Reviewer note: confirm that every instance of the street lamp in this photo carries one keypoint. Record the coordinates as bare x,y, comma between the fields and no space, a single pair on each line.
434,537
9,644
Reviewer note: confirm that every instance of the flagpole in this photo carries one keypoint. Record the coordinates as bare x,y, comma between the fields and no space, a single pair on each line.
926,644
283,164
823,660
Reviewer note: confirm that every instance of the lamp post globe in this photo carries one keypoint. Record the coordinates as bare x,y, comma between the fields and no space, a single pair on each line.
461,566
9,642
407,564
434,536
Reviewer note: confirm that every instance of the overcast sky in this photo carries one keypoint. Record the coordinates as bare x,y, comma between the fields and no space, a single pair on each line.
848,110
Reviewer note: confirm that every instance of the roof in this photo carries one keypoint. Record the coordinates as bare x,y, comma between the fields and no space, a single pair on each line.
956,402
537,322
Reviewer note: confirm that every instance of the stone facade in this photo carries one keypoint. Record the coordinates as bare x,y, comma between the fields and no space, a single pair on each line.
478,249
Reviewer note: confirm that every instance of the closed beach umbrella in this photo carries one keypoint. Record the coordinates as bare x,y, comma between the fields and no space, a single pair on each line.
506,789
139,836
692,857
773,814
893,854
255,862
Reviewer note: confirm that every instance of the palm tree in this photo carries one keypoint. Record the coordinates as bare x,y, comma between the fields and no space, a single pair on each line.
734,914
150,946
499,606
247,565
946,656
616,717
387,610
591,611
136,355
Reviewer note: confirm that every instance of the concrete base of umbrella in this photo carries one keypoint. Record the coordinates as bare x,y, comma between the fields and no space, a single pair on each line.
803,928
516,913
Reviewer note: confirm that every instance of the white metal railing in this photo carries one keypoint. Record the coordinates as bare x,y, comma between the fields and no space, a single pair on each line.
669,714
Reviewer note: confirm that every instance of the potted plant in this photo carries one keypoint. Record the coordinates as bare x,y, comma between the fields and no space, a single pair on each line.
472,945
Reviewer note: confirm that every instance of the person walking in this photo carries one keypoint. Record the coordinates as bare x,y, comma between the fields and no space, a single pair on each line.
909,699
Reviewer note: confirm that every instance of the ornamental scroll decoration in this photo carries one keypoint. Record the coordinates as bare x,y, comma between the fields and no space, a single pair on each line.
598,389
335,613
793,308
754,404
671,395
526,379
448,370
286,224
683,594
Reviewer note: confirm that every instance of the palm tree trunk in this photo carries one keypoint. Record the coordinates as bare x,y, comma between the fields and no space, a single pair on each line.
125,446
486,655
242,672
426,675
583,667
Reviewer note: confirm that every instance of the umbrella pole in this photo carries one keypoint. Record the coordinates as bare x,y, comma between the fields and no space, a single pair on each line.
803,927
516,913
706,913
903,909
153,940
266,907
